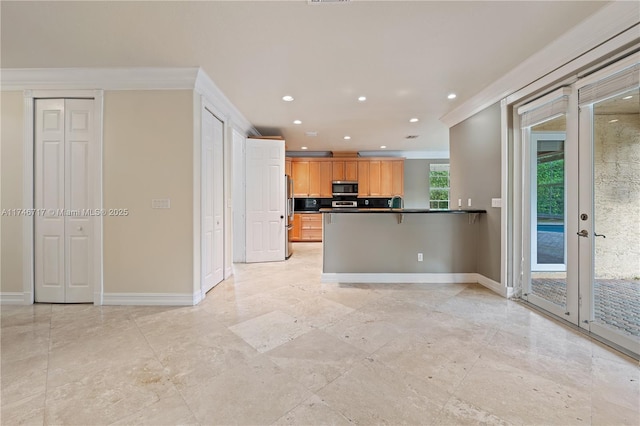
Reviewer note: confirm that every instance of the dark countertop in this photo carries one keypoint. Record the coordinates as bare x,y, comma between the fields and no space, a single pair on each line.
388,210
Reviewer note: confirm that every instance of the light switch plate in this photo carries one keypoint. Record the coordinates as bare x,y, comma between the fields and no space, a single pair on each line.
496,202
161,203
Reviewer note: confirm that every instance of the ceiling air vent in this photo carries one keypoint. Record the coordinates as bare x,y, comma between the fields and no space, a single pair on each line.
311,133
412,137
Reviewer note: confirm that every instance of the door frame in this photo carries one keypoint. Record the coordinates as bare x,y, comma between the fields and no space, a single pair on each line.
28,258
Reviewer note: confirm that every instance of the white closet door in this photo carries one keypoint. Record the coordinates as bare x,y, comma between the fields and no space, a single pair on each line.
212,262
64,221
265,200
49,200
79,224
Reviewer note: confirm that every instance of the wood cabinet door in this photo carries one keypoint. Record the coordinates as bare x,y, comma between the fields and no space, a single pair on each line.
375,189
287,166
297,227
397,177
300,172
363,178
326,177
351,170
338,170
314,178
386,176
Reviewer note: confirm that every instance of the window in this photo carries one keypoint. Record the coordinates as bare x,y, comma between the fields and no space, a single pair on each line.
439,186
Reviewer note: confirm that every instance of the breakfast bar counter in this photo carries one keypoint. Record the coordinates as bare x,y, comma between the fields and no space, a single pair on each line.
399,245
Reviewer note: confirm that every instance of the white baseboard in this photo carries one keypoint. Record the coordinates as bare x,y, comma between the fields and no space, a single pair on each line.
419,278
151,299
11,298
425,278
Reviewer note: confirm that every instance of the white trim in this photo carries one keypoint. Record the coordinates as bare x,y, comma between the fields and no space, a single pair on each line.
12,298
603,32
205,86
27,199
103,78
152,299
504,194
28,259
494,286
418,278
197,192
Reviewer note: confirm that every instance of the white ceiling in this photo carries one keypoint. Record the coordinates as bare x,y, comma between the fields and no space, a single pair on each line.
404,56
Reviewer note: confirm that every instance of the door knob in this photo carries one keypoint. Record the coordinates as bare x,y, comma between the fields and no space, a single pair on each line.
80,228
584,233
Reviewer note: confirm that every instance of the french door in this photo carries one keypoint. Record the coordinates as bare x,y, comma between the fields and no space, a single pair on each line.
609,200
581,203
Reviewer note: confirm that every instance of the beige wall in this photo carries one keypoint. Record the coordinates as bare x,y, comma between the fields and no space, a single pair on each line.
148,153
617,196
11,121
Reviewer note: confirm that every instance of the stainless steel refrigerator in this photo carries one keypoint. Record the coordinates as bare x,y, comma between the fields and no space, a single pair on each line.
289,209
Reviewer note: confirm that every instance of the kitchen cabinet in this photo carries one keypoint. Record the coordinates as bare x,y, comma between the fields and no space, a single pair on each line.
300,173
381,177
287,166
345,170
297,227
314,179
363,178
307,227
326,177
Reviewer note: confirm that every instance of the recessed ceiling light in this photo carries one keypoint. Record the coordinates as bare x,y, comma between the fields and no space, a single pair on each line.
613,121
383,147
304,147
362,98
297,122
287,98
346,138
628,97
413,120
451,96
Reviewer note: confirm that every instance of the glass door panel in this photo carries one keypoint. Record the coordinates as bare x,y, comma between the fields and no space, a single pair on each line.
615,272
547,206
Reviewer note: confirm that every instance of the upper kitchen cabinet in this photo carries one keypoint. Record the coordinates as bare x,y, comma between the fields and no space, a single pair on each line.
381,178
287,166
345,170
300,174
311,177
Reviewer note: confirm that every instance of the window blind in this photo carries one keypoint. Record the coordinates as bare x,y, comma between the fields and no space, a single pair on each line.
623,81
547,107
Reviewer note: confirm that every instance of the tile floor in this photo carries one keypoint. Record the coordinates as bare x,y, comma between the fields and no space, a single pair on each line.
273,345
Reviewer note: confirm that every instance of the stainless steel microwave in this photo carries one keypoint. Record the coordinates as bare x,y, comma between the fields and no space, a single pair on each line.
344,187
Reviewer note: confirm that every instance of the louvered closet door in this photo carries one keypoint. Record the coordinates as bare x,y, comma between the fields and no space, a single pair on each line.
64,224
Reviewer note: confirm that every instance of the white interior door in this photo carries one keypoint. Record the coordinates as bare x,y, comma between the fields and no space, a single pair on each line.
265,200
212,201
64,219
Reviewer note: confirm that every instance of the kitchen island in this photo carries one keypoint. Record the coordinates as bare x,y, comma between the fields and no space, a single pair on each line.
400,245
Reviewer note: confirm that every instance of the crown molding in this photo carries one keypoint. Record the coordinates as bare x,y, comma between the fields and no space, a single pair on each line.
207,88
603,26
98,78
188,78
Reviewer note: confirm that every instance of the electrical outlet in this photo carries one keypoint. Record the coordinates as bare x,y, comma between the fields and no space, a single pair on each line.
420,258
496,202
469,202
